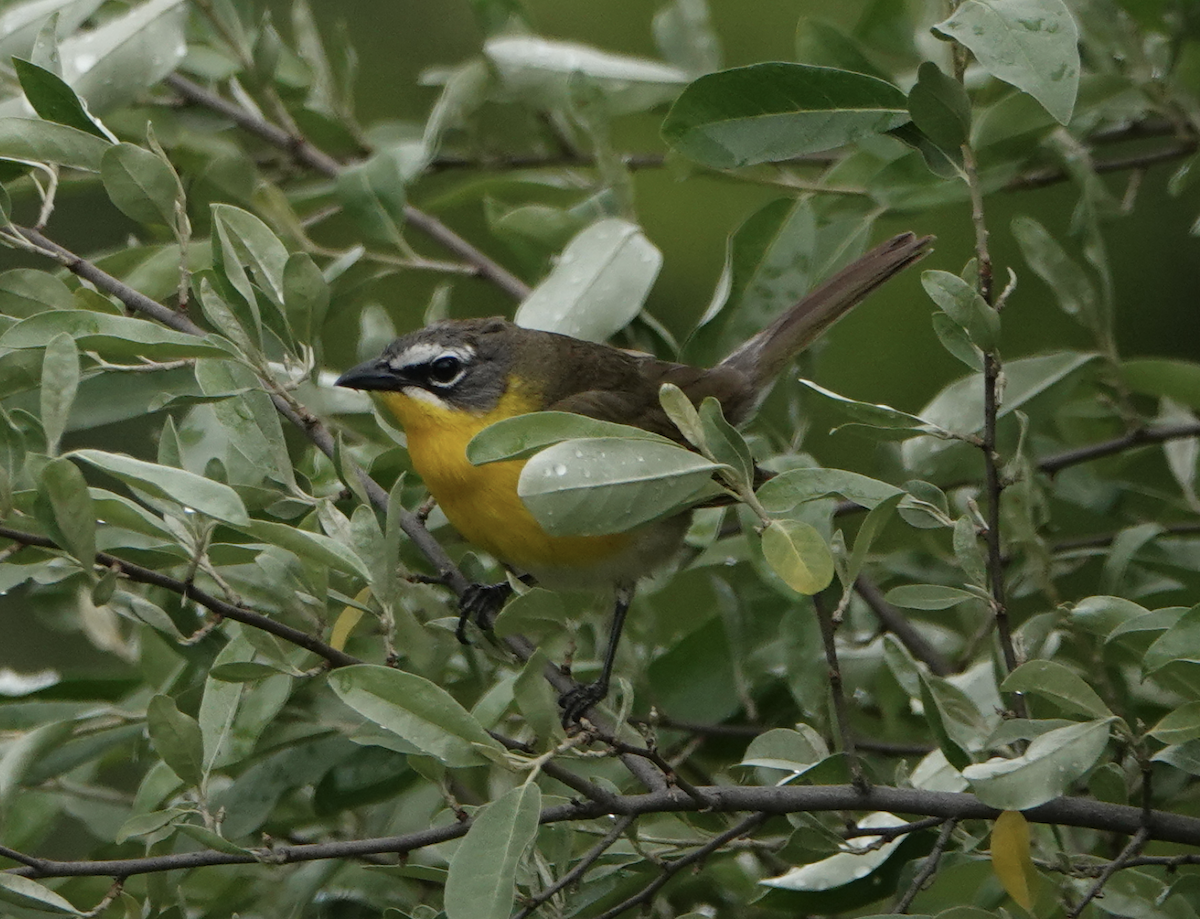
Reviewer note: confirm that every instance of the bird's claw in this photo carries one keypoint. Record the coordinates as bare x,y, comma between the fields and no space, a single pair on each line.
481,603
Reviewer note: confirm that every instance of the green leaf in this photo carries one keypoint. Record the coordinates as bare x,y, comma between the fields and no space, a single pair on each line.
71,504
112,337
534,612
31,140
29,894
305,297
870,529
119,59
723,444
539,72
770,112
20,23
176,738
373,195
682,412
1179,725
522,436
959,407
211,840
60,382
24,291
1044,771
824,44
864,856
247,242
875,416
955,340
940,107
611,484
962,303
928,596
417,710
309,547
1066,278
1177,643
781,748
599,284
1184,756
141,185
186,488
684,36
1062,686
55,101
482,877
1032,44
799,555
953,718
784,491
1164,377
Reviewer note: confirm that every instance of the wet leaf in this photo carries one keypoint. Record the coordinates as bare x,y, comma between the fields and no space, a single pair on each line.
770,112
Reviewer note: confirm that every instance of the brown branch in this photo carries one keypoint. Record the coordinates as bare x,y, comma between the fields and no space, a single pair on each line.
927,869
303,152
1131,849
1135,438
771,800
585,862
841,712
671,869
410,523
1052,176
895,622
218,607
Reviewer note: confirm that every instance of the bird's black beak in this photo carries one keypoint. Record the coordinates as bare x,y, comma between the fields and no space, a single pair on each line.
372,374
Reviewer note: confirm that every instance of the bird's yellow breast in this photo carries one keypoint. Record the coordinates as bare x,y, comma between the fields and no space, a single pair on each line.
482,501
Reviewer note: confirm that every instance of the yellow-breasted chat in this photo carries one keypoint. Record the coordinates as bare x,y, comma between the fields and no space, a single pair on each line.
448,381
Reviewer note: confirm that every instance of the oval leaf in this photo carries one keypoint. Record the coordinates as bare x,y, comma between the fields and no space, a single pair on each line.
1061,686
191,490
798,554
176,738
524,435
770,112
417,710
141,185
610,484
1032,44
1046,769
1011,859
598,285
482,876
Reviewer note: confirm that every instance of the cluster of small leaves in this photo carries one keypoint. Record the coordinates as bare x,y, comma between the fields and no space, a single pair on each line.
218,559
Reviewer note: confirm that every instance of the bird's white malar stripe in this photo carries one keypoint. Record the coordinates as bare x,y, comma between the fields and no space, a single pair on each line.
425,352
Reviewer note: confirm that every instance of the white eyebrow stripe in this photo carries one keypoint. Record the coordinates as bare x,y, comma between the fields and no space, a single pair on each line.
425,352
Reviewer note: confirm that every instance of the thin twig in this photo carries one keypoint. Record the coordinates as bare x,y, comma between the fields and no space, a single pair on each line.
927,869
1131,849
773,800
893,620
892,832
187,589
1136,438
303,152
1052,176
841,711
585,862
670,869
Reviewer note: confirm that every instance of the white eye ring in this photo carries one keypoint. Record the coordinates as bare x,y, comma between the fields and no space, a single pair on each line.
446,370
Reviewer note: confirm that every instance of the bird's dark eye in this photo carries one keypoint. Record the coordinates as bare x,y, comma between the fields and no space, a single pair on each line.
445,369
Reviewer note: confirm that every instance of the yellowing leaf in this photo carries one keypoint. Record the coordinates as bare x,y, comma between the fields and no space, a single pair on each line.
1010,857
797,553
346,621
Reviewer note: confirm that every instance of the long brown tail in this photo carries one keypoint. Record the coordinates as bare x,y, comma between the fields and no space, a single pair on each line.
763,357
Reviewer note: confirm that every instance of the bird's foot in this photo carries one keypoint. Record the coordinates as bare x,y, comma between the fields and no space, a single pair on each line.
481,603
575,702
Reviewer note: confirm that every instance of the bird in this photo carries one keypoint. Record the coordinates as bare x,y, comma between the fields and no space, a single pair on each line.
448,381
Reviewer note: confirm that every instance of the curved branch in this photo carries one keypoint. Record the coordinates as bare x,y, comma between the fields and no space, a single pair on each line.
303,152
218,607
1135,438
768,800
